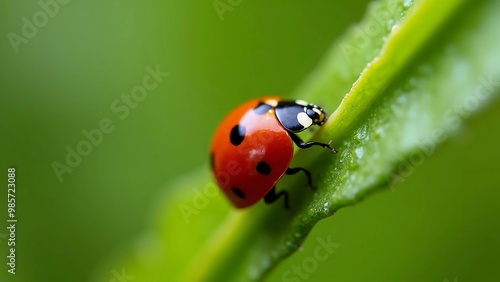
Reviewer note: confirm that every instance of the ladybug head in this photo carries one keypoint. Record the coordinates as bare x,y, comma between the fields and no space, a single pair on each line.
316,114
296,116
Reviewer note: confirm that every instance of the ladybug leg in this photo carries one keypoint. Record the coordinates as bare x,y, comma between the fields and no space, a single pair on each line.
295,170
303,145
271,197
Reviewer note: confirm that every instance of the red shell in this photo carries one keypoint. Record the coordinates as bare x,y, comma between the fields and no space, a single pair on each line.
265,140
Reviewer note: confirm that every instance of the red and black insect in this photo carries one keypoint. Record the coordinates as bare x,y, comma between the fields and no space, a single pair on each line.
253,148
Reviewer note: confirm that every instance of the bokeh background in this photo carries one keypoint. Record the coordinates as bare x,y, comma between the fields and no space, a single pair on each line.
441,224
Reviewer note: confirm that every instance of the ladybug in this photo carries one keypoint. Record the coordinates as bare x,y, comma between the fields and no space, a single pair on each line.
253,148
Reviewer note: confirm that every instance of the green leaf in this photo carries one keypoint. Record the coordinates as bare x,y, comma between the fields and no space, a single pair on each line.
412,74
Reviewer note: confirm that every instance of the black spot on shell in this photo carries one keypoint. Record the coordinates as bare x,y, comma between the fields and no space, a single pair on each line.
263,168
262,108
238,192
237,134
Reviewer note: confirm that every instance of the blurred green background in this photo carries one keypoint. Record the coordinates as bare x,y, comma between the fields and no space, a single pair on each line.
441,223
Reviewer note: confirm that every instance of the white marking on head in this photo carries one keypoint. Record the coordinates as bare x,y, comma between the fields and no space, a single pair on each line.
272,102
317,111
304,120
301,102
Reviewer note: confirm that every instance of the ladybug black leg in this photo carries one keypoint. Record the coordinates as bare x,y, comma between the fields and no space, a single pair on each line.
271,197
303,145
295,170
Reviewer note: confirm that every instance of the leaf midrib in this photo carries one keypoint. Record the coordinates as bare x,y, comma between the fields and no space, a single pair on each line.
404,43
